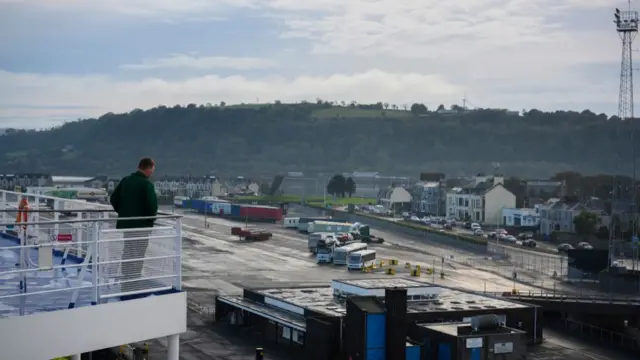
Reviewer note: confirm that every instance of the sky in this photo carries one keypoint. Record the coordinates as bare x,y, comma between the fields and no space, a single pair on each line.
61,60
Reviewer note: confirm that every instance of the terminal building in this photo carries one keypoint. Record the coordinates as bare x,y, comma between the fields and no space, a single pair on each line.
423,315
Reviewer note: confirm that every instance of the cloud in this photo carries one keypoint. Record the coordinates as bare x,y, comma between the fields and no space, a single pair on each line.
182,61
59,94
547,54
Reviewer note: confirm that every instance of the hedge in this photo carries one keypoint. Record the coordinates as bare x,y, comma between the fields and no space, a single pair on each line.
466,238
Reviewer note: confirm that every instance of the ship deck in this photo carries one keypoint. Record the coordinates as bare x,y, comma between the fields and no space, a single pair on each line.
46,290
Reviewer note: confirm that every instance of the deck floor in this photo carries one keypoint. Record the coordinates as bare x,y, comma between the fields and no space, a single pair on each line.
38,281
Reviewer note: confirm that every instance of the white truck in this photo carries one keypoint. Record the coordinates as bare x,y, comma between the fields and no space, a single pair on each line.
325,249
71,207
315,238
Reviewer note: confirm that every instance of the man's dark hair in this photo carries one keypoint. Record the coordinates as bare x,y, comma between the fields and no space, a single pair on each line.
146,163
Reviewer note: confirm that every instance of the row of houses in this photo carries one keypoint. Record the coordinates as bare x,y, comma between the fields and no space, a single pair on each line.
191,186
481,200
488,200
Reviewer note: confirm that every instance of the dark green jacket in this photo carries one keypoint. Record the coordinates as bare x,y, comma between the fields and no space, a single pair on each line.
135,196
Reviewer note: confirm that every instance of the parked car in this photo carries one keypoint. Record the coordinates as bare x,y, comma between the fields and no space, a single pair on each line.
584,245
563,248
529,243
478,232
525,236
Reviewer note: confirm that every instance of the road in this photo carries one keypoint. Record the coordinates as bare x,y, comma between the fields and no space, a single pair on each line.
217,261
541,246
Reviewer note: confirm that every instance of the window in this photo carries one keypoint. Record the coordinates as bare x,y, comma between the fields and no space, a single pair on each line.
466,202
286,332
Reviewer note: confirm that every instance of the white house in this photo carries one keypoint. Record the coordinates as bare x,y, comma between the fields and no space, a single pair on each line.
394,198
482,201
514,217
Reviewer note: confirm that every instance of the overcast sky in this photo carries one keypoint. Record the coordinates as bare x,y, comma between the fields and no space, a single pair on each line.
65,59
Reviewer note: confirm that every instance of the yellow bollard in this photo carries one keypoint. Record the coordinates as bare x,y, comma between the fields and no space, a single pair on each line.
407,265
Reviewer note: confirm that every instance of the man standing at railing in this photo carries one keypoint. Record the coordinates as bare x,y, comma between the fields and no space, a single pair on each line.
135,197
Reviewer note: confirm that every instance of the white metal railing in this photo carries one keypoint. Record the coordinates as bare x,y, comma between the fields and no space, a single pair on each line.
49,264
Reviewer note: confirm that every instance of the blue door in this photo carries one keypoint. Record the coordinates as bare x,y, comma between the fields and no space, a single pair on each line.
475,354
444,352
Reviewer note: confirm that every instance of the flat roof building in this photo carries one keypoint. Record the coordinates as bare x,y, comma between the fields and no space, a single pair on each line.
284,313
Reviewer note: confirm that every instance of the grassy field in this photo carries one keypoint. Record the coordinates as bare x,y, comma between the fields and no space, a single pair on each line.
346,112
313,200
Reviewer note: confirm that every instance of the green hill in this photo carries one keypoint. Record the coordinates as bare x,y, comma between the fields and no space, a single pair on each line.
321,137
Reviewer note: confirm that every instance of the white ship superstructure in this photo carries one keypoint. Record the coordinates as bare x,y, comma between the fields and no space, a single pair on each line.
76,284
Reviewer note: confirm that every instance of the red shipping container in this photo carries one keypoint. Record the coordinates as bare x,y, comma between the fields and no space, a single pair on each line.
261,213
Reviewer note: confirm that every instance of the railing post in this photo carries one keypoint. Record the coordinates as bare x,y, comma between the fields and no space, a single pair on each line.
95,268
178,251
56,217
3,206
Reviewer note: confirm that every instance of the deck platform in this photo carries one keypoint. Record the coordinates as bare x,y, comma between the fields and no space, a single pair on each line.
66,281
82,272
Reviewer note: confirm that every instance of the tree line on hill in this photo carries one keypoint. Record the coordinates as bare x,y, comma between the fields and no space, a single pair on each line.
323,137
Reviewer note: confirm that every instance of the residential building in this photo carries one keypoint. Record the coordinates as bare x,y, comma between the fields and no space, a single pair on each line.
481,201
191,186
514,217
558,215
394,198
545,188
20,182
426,198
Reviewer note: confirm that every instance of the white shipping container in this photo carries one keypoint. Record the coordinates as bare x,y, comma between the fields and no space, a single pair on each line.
290,222
329,227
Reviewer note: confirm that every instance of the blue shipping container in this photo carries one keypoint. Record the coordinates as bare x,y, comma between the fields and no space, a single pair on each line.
235,210
444,352
413,352
376,354
219,208
376,331
197,205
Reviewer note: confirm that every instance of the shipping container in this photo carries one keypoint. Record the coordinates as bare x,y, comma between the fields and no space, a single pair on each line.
218,208
329,226
196,205
262,213
235,210
303,222
291,222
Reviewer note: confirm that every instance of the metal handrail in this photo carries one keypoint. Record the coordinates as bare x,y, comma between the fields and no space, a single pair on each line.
568,296
71,221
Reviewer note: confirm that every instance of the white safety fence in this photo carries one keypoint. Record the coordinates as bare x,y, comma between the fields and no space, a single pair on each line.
48,262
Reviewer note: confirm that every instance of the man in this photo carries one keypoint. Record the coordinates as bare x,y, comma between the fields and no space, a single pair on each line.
135,196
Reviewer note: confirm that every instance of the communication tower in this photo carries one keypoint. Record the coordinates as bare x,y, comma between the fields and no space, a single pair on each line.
627,28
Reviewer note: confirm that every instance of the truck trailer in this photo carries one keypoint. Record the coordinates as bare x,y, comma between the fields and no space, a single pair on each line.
251,234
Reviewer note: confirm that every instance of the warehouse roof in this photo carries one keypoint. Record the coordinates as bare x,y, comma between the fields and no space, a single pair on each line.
322,300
